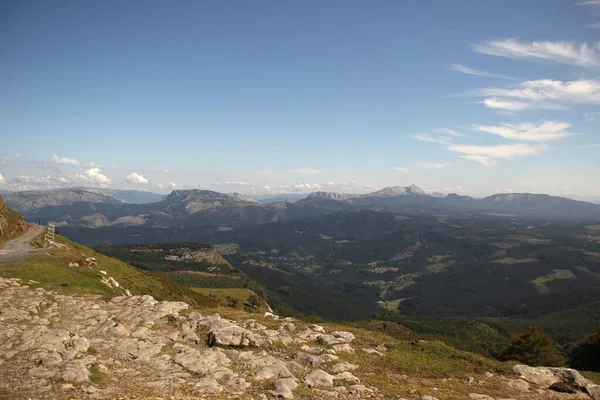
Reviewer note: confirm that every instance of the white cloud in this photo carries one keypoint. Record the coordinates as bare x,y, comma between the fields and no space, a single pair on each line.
310,186
2,180
472,71
448,131
64,181
570,53
65,160
543,93
401,169
546,131
508,190
505,104
306,171
432,139
486,155
438,165
485,160
95,177
169,186
136,179
232,183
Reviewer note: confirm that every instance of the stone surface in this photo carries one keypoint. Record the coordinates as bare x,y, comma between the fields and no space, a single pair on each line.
319,378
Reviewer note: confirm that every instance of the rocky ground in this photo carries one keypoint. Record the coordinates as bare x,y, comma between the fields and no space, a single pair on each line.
132,347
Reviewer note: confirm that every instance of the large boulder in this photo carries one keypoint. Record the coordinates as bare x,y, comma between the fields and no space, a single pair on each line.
558,378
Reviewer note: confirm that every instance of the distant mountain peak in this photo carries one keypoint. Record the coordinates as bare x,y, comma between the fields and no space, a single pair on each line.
331,195
243,197
397,191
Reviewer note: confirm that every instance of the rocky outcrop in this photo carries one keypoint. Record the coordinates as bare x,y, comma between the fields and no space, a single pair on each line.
52,344
565,380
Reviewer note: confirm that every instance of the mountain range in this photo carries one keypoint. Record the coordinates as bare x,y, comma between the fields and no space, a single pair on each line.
92,208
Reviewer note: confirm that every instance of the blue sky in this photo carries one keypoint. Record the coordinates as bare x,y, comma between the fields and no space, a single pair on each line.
473,97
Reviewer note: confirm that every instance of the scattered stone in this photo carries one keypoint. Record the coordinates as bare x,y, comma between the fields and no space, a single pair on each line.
319,378
344,348
272,316
343,367
363,391
284,388
477,396
373,351
75,371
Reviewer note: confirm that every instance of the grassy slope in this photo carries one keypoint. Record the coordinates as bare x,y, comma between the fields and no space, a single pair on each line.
51,270
405,370
10,221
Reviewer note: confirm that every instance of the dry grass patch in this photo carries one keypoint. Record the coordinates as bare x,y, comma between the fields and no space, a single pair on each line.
511,260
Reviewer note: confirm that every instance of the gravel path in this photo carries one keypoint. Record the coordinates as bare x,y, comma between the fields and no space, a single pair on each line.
20,247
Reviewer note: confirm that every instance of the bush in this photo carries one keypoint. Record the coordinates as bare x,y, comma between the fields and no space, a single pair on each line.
585,355
534,348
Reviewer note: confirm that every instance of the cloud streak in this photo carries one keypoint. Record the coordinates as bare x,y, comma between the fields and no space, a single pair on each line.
545,131
487,155
472,71
306,171
438,165
582,55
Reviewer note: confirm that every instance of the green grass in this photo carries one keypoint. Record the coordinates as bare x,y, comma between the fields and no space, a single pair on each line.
97,377
224,297
558,274
51,269
10,221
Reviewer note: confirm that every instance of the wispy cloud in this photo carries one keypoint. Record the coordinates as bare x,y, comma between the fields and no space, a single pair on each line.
543,93
505,104
472,71
591,116
431,139
448,131
65,160
232,183
487,155
545,131
401,169
594,10
437,165
582,55
306,171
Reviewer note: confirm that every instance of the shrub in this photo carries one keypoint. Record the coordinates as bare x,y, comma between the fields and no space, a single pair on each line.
585,355
534,348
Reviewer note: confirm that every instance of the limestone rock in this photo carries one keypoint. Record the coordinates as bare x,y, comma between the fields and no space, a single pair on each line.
538,375
343,367
319,378
343,348
284,388
75,371
363,391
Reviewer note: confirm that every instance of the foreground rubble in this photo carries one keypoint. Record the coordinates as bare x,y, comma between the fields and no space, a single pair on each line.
55,346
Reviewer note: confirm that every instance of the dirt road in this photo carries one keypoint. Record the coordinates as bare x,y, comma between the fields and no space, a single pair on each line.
20,247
